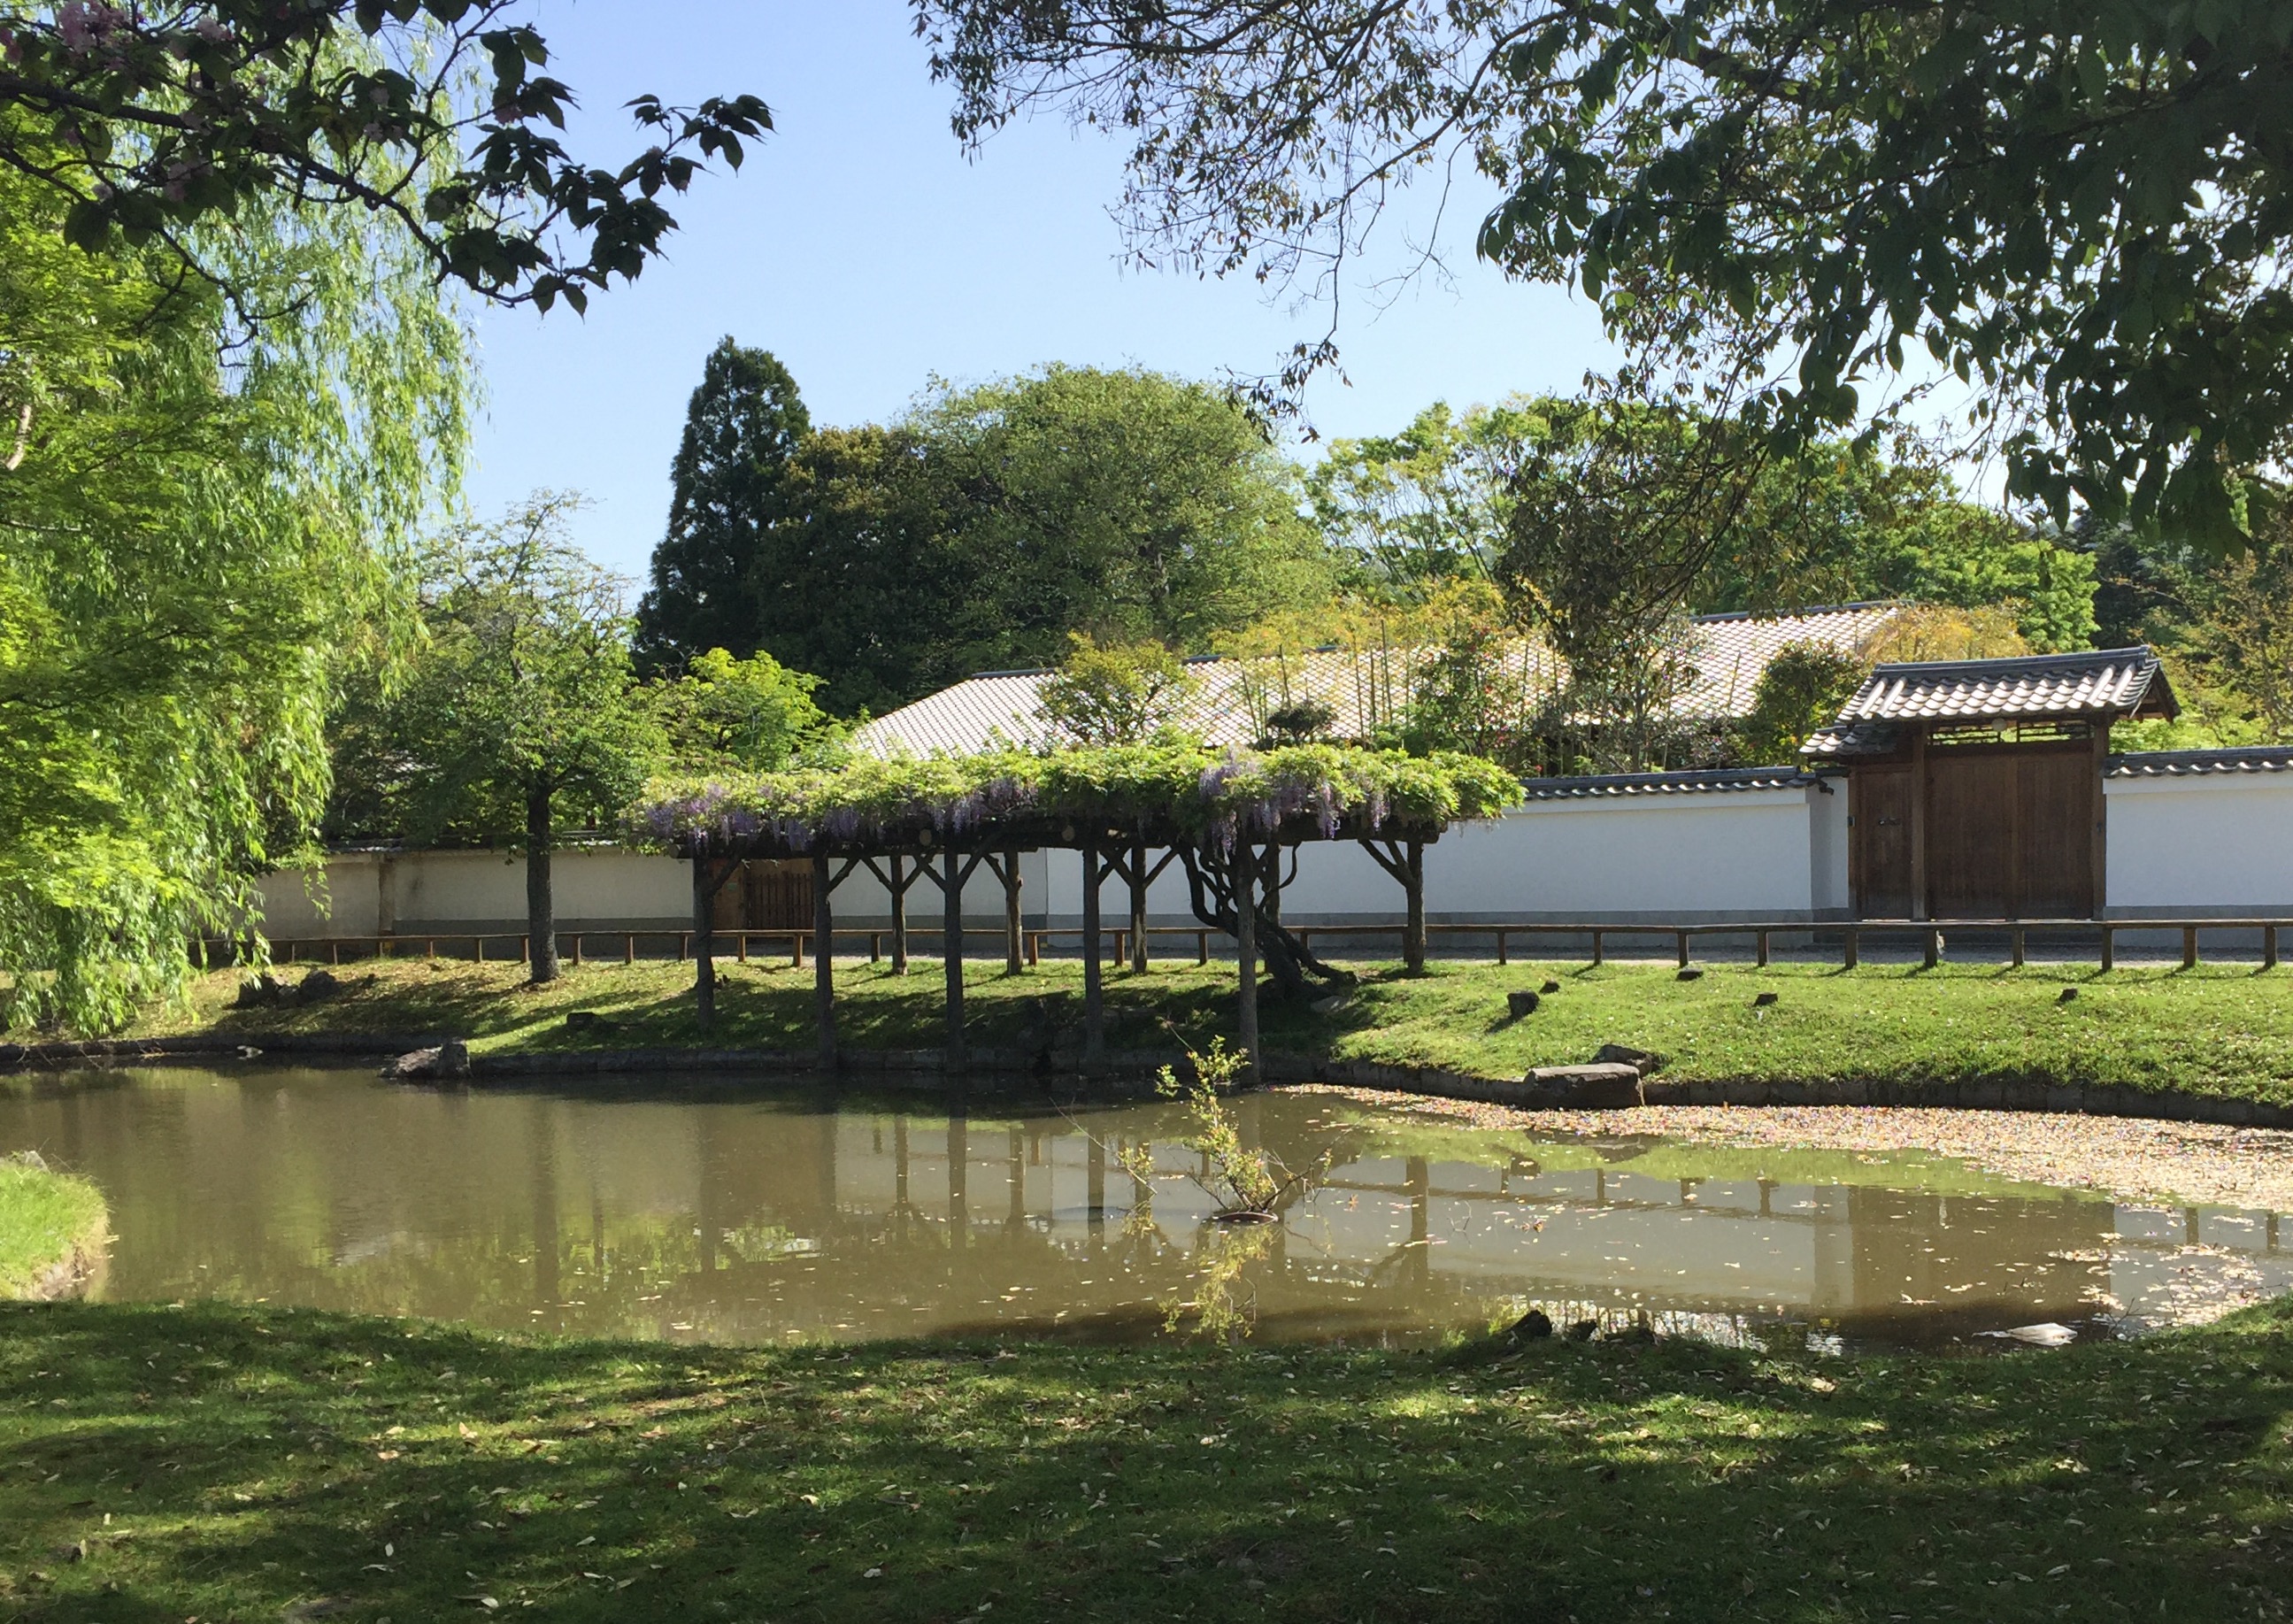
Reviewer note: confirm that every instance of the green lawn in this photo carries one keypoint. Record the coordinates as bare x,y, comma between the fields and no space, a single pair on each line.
45,1217
2220,1029
222,1463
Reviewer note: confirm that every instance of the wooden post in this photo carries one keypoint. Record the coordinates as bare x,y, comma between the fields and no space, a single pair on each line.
2189,947
899,917
1501,948
2269,947
629,948
797,940
2018,936
951,934
1015,951
1764,949
704,943
1094,991
741,945
1918,821
478,949
824,959
576,950
1933,953
1138,905
1413,884
1850,949
1201,946
1599,949
1245,950
1682,937
875,946
2109,946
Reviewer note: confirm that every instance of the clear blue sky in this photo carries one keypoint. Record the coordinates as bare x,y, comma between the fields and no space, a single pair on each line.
864,247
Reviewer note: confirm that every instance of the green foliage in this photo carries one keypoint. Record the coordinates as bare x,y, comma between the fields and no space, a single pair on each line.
2078,208
429,113
984,530
1116,693
520,712
1429,504
752,715
1800,690
730,488
1211,796
198,521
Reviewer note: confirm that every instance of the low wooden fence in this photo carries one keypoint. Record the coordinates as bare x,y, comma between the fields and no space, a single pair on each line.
1930,936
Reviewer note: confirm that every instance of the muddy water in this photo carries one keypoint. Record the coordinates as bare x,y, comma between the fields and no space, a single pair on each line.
744,1214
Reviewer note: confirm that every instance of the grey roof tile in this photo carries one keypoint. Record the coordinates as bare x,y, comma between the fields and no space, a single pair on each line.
2104,682
1712,781
2243,761
1360,688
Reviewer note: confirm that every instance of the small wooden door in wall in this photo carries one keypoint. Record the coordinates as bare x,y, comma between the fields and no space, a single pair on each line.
1879,851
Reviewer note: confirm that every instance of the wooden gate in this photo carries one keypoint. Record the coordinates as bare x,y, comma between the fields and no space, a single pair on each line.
766,896
2009,831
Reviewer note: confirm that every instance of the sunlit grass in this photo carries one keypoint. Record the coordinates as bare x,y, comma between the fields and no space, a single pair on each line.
2226,1029
44,1218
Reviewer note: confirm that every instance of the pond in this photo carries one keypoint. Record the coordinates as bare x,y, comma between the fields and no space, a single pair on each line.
748,1214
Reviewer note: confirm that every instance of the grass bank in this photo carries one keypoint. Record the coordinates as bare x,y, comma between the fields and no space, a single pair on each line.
222,1463
2218,1029
51,1228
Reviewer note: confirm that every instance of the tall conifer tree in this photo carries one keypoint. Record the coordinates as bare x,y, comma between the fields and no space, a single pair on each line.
730,486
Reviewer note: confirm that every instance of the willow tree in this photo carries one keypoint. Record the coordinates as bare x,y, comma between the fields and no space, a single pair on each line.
196,516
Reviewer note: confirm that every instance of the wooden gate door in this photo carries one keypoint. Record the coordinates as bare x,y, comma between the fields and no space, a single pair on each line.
1975,835
1879,854
780,895
2055,800
2010,833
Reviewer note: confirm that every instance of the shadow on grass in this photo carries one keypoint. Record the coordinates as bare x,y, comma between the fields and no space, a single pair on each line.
253,1462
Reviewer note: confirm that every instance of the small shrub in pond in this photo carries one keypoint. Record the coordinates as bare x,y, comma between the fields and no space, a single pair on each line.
1246,1183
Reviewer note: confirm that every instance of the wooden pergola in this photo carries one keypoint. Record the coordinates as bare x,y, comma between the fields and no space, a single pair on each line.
1233,885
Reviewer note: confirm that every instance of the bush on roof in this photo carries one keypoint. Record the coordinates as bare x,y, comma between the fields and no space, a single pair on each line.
1213,796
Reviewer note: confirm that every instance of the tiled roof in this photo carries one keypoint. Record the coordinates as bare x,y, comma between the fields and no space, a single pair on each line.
1363,690
2105,682
1720,781
2201,763
1859,739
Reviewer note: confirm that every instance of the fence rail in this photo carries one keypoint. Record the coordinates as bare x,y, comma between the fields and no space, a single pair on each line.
796,944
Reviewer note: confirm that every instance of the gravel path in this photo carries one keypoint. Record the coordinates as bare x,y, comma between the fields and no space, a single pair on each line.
2132,1159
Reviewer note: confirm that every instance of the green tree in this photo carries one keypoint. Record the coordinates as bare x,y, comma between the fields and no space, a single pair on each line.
730,486
1128,504
993,522
1799,690
753,715
2080,206
520,715
146,124
1428,504
1115,693
198,521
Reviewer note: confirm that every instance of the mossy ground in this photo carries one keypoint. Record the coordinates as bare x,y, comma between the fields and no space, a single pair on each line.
226,1463
2224,1029
46,1219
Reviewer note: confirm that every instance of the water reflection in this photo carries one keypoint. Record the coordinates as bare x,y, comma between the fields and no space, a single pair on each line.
745,1219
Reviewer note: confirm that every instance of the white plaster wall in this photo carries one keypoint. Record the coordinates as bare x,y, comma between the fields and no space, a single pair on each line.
342,899
2201,844
1827,838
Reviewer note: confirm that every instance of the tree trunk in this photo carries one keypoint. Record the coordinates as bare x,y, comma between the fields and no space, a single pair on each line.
1094,993
1014,926
541,899
1412,941
704,943
1245,950
900,881
1138,906
823,958
952,952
